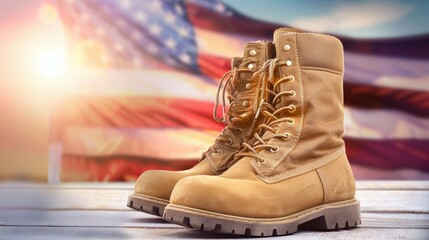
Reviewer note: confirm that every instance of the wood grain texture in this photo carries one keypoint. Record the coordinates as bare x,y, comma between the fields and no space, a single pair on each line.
390,210
81,218
405,201
54,233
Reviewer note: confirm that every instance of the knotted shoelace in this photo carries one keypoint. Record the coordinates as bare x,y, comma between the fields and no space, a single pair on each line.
227,81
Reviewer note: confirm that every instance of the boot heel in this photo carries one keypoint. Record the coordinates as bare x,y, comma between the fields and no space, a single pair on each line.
335,217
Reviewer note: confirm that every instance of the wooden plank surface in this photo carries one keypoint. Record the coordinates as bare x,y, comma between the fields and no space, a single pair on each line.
390,210
372,200
55,233
81,218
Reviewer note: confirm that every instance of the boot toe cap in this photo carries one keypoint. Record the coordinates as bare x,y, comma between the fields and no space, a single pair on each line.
200,192
157,183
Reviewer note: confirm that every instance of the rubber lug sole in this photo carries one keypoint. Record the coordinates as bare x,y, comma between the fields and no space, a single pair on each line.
151,205
335,216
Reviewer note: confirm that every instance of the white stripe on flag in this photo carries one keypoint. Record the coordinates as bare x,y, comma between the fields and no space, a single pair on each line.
384,124
157,83
387,71
221,44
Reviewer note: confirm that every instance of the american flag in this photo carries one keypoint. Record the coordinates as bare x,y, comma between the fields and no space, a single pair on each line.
144,96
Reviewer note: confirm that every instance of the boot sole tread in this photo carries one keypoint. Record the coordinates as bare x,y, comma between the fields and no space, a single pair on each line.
147,204
342,215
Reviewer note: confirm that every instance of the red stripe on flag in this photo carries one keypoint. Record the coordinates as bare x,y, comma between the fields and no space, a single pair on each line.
78,168
141,112
389,154
213,66
375,97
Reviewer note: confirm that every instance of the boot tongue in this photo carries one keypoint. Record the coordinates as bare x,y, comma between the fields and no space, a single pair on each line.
255,54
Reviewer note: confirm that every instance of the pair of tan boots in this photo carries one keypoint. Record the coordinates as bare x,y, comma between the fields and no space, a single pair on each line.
280,163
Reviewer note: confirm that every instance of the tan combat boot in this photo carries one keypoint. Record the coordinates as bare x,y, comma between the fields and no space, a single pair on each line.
153,188
294,174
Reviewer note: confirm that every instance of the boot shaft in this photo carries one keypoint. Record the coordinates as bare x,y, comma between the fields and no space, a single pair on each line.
307,78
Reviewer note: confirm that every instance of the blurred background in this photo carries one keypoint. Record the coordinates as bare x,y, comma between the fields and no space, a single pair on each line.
102,90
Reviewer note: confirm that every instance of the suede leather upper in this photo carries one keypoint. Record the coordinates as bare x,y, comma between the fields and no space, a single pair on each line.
309,168
160,183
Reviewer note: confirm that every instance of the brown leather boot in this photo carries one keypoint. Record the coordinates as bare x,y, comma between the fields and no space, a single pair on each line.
296,172
153,188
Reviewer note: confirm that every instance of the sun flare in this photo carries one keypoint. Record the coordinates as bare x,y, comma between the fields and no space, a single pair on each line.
51,63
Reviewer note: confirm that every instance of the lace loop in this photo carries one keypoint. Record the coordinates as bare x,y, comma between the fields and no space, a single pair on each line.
273,114
229,116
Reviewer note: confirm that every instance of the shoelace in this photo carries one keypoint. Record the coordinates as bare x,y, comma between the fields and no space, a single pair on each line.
259,142
226,82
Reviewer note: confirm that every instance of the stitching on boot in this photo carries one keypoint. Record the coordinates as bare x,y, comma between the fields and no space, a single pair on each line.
221,166
324,182
321,69
301,91
309,167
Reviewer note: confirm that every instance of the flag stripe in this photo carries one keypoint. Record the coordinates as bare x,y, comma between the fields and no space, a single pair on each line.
389,154
363,172
140,83
385,71
236,23
138,112
221,44
159,143
384,124
114,168
374,97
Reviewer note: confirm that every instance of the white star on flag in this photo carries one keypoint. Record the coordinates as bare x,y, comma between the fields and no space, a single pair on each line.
169,18
155,30
141,16
170,43
185,58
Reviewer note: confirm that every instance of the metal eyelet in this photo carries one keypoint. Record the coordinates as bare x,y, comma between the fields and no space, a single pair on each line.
248,86
291,78
286,47
217,152
245,103
261,161
229,143
252,52
250,66
286,136
292,108
288,63
275,149
290,121
292,93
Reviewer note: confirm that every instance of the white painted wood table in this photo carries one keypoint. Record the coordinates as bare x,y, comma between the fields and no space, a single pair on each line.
390,210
